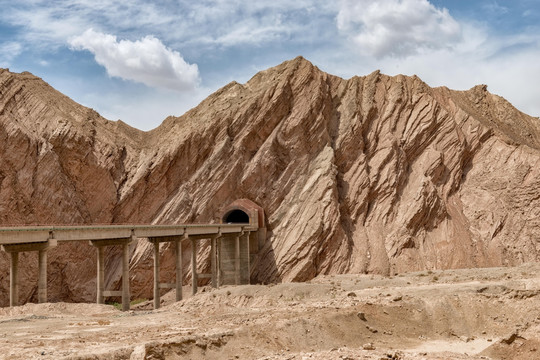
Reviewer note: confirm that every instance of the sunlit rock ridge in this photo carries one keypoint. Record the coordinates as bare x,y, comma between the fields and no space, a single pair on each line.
374,174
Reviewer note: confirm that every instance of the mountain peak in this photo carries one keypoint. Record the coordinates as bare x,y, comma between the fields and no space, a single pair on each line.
374,174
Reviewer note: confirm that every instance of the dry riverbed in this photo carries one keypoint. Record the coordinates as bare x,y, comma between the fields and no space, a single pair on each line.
456,314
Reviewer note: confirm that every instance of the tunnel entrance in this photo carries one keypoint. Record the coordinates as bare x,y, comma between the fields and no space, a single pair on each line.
236,217
244,244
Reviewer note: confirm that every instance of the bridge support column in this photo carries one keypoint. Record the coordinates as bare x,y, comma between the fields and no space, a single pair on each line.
156,275
14,250
178,254
237,260
248,252
245,269
219,270
14,280
213,261
42,276
101,293
125,276
100,281
233,258
194,278
178,244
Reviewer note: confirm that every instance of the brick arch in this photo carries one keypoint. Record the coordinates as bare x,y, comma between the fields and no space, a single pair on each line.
242,208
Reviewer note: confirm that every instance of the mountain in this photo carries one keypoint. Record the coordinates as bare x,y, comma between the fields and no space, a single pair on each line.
372,174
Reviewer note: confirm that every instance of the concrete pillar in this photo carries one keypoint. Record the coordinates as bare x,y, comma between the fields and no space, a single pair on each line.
125,276
213,261
178,269
227,259
156,275
100,283
14,280
237,260
248,260
194,279
42,276
219,270
244,258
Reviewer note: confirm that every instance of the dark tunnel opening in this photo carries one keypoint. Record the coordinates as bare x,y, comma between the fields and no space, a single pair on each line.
236,217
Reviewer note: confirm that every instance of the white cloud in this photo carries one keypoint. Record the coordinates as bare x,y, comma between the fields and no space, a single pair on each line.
507,64
495,8
397,27
9,51
51,23
214,23
147,60
232,39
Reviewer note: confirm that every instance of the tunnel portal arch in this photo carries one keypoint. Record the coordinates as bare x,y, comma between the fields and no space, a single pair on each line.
236,216
245,211
241,249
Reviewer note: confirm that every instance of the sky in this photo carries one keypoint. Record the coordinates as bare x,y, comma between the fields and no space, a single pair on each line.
141,61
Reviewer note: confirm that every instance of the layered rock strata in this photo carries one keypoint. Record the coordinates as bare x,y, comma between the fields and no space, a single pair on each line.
371,174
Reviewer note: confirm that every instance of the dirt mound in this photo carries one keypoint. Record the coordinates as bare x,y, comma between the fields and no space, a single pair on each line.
454,314
53,309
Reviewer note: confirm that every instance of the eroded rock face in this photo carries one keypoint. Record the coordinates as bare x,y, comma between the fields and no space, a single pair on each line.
371,174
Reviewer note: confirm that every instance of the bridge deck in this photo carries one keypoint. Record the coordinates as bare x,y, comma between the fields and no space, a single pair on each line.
17,239
32,234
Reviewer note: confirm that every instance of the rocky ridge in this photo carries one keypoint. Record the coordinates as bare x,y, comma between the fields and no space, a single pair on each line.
372,174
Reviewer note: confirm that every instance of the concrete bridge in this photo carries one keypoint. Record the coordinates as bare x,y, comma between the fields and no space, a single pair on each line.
241,232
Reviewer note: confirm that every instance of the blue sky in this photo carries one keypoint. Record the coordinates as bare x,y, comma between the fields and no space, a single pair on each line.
141,61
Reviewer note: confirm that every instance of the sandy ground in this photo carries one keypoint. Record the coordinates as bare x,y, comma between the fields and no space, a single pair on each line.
457,314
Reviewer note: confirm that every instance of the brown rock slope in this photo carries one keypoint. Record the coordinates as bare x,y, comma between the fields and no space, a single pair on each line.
60,163
371,174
